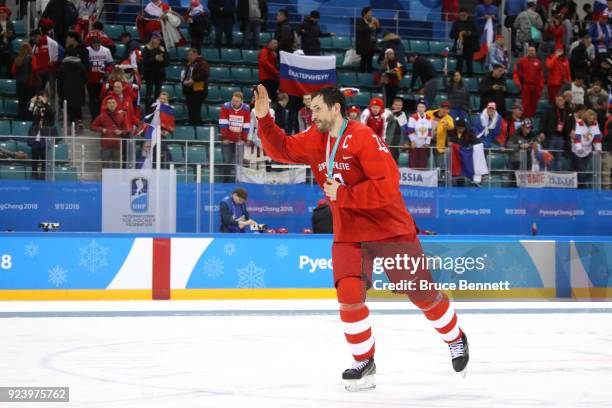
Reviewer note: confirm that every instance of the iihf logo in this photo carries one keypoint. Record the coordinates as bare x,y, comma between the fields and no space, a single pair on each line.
139,194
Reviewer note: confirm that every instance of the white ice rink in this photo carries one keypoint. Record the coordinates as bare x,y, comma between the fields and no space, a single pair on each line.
291,354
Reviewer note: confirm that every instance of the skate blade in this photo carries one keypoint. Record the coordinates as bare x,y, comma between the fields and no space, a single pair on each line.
366,383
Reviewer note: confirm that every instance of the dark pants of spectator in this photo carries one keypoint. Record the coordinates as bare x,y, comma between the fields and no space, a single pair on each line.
365,65
295,104
93,92
417,158
152,89
251,34
389,92
224,26
111,157
39,155
196,42
431,90
194,102
555,142
468,57
581,165
75,114
233,154
272,88
24,94
6,61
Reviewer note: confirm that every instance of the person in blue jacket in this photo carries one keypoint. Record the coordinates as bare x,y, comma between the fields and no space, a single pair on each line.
234,214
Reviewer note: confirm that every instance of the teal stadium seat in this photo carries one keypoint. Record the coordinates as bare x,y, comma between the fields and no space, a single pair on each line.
203,133
437,63
402,160
8,87
9,145
5,129
196,155
17,44
180,113
239,39
366,80
133,30
220,75
169,88
472,84
406,45
347,78
326,43
213,113
231,56
242,76
250,57
342,43
227,92
23,147
264,37
20,128
19,27
185,33
65,173
185,174
61,153
437,47
419,46
119,51
113,31
10,108
11,172
214,94
183,133
181,53
511,87
499,161
212,55
176,153
173,73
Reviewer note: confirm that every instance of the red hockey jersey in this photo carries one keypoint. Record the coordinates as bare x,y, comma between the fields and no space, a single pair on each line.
369,205
234,123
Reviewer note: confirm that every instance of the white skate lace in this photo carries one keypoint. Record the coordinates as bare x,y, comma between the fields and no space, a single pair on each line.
457,349
358,365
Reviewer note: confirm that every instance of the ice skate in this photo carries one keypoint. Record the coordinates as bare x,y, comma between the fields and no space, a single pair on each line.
460,355
360,376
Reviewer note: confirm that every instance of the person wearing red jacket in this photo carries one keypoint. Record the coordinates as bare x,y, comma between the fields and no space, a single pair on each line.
112,126
234,123
98,32
361,182
529,77
45,55
269,74
556,30
558,73
125,103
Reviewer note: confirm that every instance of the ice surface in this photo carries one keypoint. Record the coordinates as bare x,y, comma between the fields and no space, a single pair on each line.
518,358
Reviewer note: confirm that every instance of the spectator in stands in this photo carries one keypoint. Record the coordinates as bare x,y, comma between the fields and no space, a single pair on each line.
606,155
132,49
441,124
222,15
269,74
486,11
529,78
597,99
556,31
524,23
513,123
419,134
587,137
42,129
366,28
7,34
252,15
397,127
310,32
462,135
577,89
393,41
602,71
354,113
234,214
71,81
322,222
558,73
199,23
112,126
493,89
234,123
74,45
125,103
98,32
88,11
27,82
389,76
46,54
305,114
195,85
582,54
285,34
281,112
467,41
601,34
56,12
458,96
150,21
100,60
155,59
497,54
521,140
423,69
375,117
512,8
556,126
488,126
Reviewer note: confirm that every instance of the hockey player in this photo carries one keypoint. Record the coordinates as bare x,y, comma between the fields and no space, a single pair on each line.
361,181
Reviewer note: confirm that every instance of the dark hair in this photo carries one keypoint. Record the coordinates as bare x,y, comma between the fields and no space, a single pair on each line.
413,54
284,12
98,25
463,10
34,32
241,192
398,99
587,6
194,50
42,92
331,95
315,14
126,34
73,34
365,10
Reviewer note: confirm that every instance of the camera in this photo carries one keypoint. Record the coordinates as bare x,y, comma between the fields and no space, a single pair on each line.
259,228
38,106
49,226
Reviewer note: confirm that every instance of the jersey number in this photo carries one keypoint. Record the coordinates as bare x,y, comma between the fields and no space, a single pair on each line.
381,144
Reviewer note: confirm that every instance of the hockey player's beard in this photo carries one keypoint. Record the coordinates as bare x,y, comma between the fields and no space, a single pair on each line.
324,126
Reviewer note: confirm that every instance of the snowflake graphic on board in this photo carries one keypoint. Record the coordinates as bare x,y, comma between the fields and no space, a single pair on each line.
31,250
213,267
58,276
229,249
282,251
516,275
251,276
93,256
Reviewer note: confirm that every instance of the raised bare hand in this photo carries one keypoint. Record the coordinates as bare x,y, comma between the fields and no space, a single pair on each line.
262,102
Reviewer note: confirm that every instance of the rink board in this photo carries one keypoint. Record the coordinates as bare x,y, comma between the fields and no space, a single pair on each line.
123,267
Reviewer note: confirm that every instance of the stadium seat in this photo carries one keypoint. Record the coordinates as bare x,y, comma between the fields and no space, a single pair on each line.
472,84
119,51
543,104
65,173
479,68
406,45
180,113
341,43
196,155
422,47
227,92
340,62
185,33
176,153
17,44
203,133
10,108
218,155
173,73
220,74
366,80
347,78
113,31
499,161
362,99
8,87
212,55
239,39
326,43
181,53
536,123
12,172
437,63
231,56
511,87
214,94
475,102
213,113
19,27
250,57
437,47
9,145
495,181
185,174
510,103
20,128
132,30
402,161
5,129
264,37
23,147
452,65
169,88
242,76
61,153
183,133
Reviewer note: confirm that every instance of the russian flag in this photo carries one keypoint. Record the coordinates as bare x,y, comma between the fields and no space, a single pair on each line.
301,74
486,39
469,162
598,8
161,118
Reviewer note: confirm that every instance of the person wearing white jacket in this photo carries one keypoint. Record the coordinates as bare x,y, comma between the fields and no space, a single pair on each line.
587,138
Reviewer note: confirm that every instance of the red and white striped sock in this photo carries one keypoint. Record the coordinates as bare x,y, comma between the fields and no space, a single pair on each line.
442,316
358,332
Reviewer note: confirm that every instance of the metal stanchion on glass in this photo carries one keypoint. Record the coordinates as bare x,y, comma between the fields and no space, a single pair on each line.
597,170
